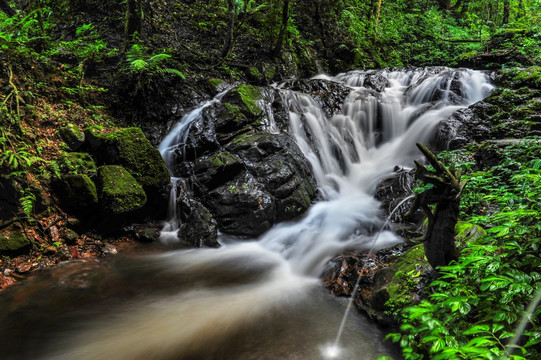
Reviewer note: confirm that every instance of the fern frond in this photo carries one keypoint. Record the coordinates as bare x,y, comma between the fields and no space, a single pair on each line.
138,65
172,72
158,58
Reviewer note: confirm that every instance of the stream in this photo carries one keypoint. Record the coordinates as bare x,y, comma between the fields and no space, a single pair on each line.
259,298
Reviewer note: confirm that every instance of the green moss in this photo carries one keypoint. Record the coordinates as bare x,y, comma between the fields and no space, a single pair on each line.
223,159
131,149
404,277
231,112
245,97
468,232
119,192
254,72
214,83
77,162
73,137
270,72
14,242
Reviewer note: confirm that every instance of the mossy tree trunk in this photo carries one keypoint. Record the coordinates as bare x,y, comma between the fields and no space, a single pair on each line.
439,239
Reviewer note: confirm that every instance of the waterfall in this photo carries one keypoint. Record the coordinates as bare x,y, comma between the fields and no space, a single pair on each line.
354,149
261,299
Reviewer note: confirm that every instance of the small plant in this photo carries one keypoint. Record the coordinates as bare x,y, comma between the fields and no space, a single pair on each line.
142,64
27,201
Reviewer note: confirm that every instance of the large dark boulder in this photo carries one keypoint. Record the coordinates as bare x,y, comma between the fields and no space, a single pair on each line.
262,179
243,177
328,94
78,193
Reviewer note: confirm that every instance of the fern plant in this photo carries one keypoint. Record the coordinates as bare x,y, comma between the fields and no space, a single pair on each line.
27,201
143,64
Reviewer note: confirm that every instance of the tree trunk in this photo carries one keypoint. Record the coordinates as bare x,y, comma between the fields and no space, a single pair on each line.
134,20
230,26
285,19
4,6
505,19
439,239
378,12
521,11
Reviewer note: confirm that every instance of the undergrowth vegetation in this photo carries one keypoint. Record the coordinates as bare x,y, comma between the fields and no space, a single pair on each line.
478,307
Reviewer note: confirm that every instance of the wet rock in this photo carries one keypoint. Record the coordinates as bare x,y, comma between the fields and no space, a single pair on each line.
213,170
147,233
242,207
119,192
398,285
328,94
376,82
73,137
392,190
198,227
244,97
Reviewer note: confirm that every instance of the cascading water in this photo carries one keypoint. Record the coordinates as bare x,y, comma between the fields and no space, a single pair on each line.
262,299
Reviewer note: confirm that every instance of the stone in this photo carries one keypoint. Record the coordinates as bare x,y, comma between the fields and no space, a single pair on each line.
72,136
77,162
130,149
14,242
244,97
78,193
147,234
242,207
119,193
198,227
467,232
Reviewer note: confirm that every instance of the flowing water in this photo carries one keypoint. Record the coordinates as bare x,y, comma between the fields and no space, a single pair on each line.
257,299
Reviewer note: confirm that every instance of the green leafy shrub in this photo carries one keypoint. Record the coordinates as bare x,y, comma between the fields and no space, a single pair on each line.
477,303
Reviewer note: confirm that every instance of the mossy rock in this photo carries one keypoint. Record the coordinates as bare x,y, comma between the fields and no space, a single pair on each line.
78,192
468,232
77,162
132,150
119,192
14,242
400,285
72,136
254,75
245,97
216,169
